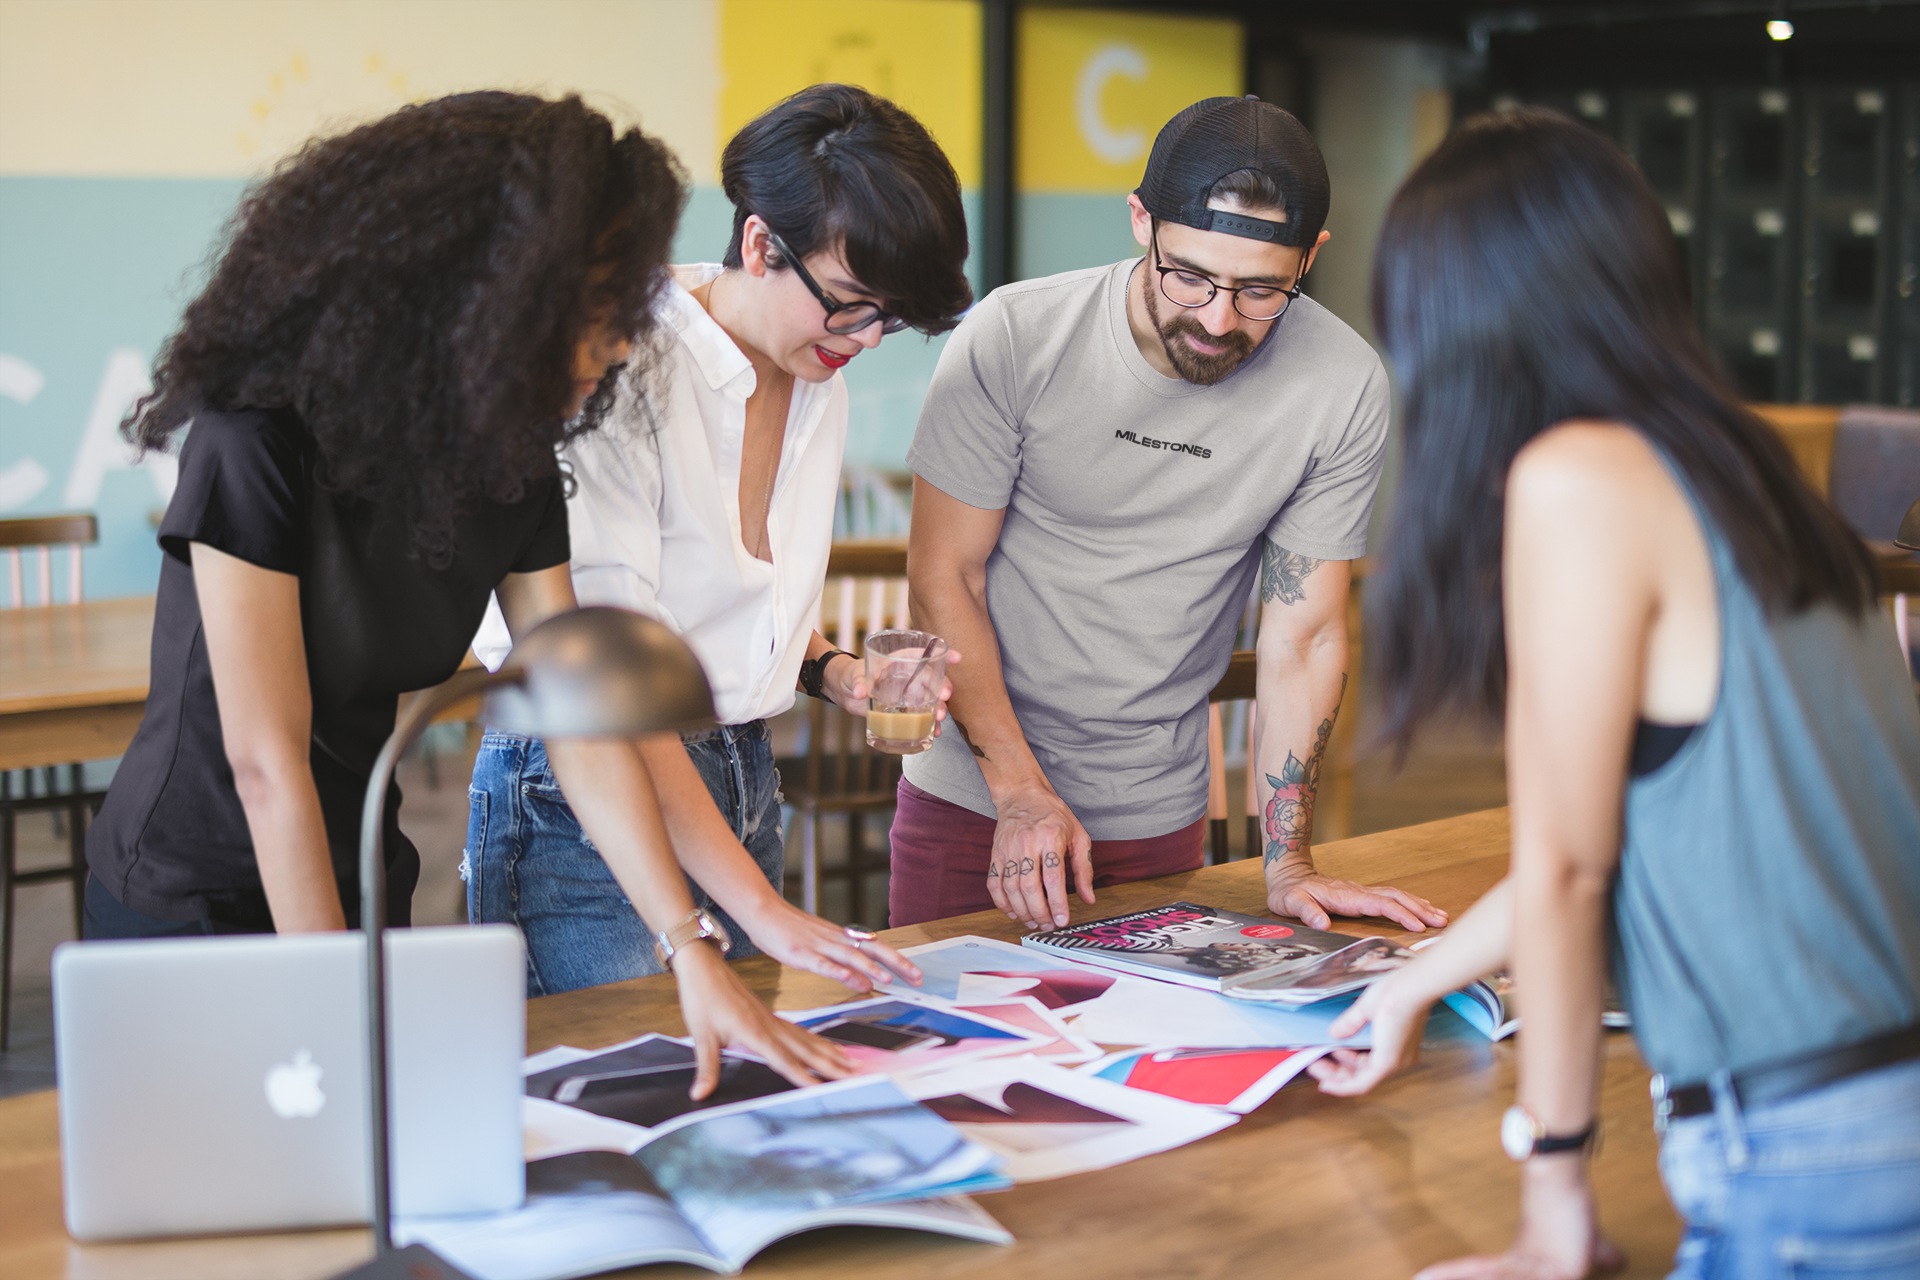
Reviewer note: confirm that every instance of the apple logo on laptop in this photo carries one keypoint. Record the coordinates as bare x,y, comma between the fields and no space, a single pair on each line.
293,1088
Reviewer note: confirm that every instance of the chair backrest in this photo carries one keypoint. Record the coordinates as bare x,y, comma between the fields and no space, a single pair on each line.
35,539
866,591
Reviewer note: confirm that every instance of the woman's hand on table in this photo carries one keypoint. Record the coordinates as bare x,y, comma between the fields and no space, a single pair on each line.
1399,1018
852,957
721,1013
1559,1236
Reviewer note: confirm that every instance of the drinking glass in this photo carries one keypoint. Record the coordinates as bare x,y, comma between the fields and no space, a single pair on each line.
905,671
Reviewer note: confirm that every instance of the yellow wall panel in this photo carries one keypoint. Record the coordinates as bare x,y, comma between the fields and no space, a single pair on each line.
924,54
221,88
1095,86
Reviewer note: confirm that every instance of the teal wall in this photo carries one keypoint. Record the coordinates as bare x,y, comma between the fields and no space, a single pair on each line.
93,275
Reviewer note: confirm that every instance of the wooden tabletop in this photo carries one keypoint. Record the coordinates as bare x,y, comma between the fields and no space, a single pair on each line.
1307,1187
73,680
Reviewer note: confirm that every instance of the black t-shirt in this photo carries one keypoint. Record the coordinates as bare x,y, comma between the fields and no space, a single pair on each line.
171,839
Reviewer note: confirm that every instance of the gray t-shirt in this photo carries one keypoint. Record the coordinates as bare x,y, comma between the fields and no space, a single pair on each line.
1135,505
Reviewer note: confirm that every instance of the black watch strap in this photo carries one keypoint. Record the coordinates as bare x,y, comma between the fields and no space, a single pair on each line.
1547,1143
813,672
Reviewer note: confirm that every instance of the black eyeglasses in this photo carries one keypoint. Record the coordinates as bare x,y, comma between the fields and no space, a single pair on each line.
843,318
1192,290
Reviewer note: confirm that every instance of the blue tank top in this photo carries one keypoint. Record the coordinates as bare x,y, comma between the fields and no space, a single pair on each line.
1768,898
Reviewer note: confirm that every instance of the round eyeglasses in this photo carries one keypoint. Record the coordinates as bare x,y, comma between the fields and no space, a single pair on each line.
1192,290
843,318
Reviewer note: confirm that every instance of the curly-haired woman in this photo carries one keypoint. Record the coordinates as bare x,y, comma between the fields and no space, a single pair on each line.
709,503
405,323
1713,749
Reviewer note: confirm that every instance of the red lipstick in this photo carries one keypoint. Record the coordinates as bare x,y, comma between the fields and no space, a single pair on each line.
831,359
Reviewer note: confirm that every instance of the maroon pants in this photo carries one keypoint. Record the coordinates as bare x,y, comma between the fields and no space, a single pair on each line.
940,853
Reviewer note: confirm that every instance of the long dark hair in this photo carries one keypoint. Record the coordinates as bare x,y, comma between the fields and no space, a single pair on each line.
837,164
1526,276
414,288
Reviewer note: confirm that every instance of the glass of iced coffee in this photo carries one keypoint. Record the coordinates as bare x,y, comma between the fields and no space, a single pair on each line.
906,671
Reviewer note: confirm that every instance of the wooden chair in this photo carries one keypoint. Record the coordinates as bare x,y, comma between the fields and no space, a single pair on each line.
28,550
1865,459
833,770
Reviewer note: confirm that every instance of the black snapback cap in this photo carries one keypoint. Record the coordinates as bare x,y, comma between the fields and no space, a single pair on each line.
1218,136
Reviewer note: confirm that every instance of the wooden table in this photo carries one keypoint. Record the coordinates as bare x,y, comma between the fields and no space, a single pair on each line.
1306,1187
73,680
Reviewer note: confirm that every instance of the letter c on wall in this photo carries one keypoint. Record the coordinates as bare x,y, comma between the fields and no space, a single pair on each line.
1115,146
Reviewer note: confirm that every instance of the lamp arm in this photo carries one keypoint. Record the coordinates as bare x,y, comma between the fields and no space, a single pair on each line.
373,916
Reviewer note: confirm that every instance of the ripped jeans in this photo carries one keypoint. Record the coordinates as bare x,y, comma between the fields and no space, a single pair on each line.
1824,1185
528,863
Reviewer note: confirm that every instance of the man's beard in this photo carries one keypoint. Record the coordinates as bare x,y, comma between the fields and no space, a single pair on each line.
1191,365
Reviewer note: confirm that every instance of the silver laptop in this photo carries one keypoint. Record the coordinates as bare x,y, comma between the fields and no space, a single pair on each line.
219,1084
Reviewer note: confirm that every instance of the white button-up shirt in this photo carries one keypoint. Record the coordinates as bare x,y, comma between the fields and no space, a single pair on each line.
655,513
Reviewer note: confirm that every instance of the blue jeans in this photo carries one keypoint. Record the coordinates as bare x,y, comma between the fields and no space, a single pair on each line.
1823,1185
528,863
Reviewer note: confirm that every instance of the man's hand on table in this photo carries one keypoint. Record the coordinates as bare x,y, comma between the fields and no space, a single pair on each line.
1559,1236
802,941
1035,841
721,1013
1295,889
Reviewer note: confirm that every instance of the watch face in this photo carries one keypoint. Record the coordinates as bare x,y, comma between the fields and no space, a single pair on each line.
1516,1133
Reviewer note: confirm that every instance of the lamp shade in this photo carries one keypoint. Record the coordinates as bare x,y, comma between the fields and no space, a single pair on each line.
600,672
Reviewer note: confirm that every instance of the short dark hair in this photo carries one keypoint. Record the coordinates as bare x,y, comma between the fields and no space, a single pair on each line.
1251,189
1527,275
414,288
837,165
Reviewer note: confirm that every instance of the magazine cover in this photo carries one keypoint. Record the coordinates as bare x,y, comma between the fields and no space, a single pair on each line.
1192,944
1319,978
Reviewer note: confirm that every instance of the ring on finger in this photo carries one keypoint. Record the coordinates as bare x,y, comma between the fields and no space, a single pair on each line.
857,936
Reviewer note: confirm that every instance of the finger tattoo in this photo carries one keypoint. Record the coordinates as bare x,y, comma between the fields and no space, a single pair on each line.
1053,858
993,871
1026,866
1012,868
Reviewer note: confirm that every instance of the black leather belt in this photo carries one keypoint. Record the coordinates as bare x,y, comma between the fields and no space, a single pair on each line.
1789,1079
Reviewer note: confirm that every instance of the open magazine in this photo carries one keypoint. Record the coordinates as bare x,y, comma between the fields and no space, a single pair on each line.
1249,957
1487,1007
715,1187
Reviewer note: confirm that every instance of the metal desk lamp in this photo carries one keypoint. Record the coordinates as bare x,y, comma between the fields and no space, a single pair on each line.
587,673
1909,535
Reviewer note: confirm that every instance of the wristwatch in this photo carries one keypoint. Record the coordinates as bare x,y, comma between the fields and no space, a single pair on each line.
669,942
813,672
1525,1137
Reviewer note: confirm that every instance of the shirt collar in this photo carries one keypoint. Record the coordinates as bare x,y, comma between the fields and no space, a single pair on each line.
720,362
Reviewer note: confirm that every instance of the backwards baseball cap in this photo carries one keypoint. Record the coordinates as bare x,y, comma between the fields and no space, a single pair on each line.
1218,136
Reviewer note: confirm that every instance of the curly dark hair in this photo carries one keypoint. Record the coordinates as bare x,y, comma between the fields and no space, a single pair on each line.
414,289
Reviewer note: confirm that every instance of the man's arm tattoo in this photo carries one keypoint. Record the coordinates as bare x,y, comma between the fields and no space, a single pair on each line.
1289,815
965,736
1283,573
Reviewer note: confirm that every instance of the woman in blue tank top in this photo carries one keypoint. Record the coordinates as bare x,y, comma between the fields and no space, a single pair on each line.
1713,744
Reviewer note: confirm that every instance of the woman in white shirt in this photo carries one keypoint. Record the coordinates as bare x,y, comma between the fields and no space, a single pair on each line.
707,501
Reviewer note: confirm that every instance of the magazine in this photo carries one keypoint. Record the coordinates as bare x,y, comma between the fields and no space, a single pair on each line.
1045,1121
888,1035
1236,1080
1194,945
1109,1007
645,1082
715,1187
1487,1007
1320,977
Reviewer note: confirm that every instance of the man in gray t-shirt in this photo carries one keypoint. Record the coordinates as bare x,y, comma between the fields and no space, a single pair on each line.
1104,461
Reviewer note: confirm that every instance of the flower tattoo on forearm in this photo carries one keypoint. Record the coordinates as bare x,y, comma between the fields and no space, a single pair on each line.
1288,821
